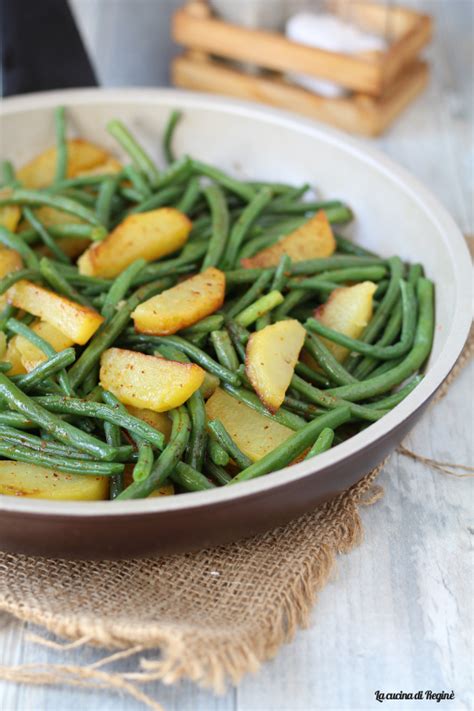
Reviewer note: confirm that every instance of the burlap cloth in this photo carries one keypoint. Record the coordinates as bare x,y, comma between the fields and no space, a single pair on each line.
212,616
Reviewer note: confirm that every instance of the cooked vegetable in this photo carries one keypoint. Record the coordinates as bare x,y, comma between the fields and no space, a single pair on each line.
147,235
183,305
254,434
271,356
178,329
312,240
24,479
74,320
81,156
148,382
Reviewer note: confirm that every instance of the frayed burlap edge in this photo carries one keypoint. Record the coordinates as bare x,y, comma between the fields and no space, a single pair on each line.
206,659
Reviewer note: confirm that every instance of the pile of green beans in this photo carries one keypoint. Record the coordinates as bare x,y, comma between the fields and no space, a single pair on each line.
58,415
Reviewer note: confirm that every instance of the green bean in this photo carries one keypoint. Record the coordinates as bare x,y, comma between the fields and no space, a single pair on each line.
98,410
131,195
61,144
136,152
323,443
243,190
328,399
71,230
44,370
224,349
59,283
180,265
19,328
190,196
166,462
45,236
381,289
253,246
347,247
287,451
120,286
236,277
190,479
227,443
220,226
280,277
107,191
280,206
205,325
304,409
340,275
138,180
283,416
384,367
195,354
217,454
392,328
8,172
13,241
61,463
379,352
288,198
110,331
60,430
163,197
295,297
14,419
198,437
243,224
251,294
260,307
20,196
326,360
216,472
175,173
390,401
309,374
336,262
170,127
412,361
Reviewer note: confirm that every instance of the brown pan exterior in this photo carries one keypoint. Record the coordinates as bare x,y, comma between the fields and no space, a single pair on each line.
140,535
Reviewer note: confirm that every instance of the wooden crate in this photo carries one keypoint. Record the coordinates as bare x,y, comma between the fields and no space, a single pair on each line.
381,83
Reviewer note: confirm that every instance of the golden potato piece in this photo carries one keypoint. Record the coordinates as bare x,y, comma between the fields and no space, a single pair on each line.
74,320
147,235
9,214
110,167
82,155
182,305
312,240
254,434
10,261
22,479
348,310
12,355
148,382
270,359
31,356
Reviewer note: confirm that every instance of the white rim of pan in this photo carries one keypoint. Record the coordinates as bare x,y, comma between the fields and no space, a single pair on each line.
456,251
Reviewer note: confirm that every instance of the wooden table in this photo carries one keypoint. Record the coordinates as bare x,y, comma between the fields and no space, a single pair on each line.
397,615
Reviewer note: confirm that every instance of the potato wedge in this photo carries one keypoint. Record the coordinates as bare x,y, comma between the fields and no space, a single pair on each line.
10,261
110,167
74,320
348,310
149,235
182,305
82,155
254,434
31,356
211,382
21,479
12,355
159,420
71,246
9,214
148,382
270,359
312,240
